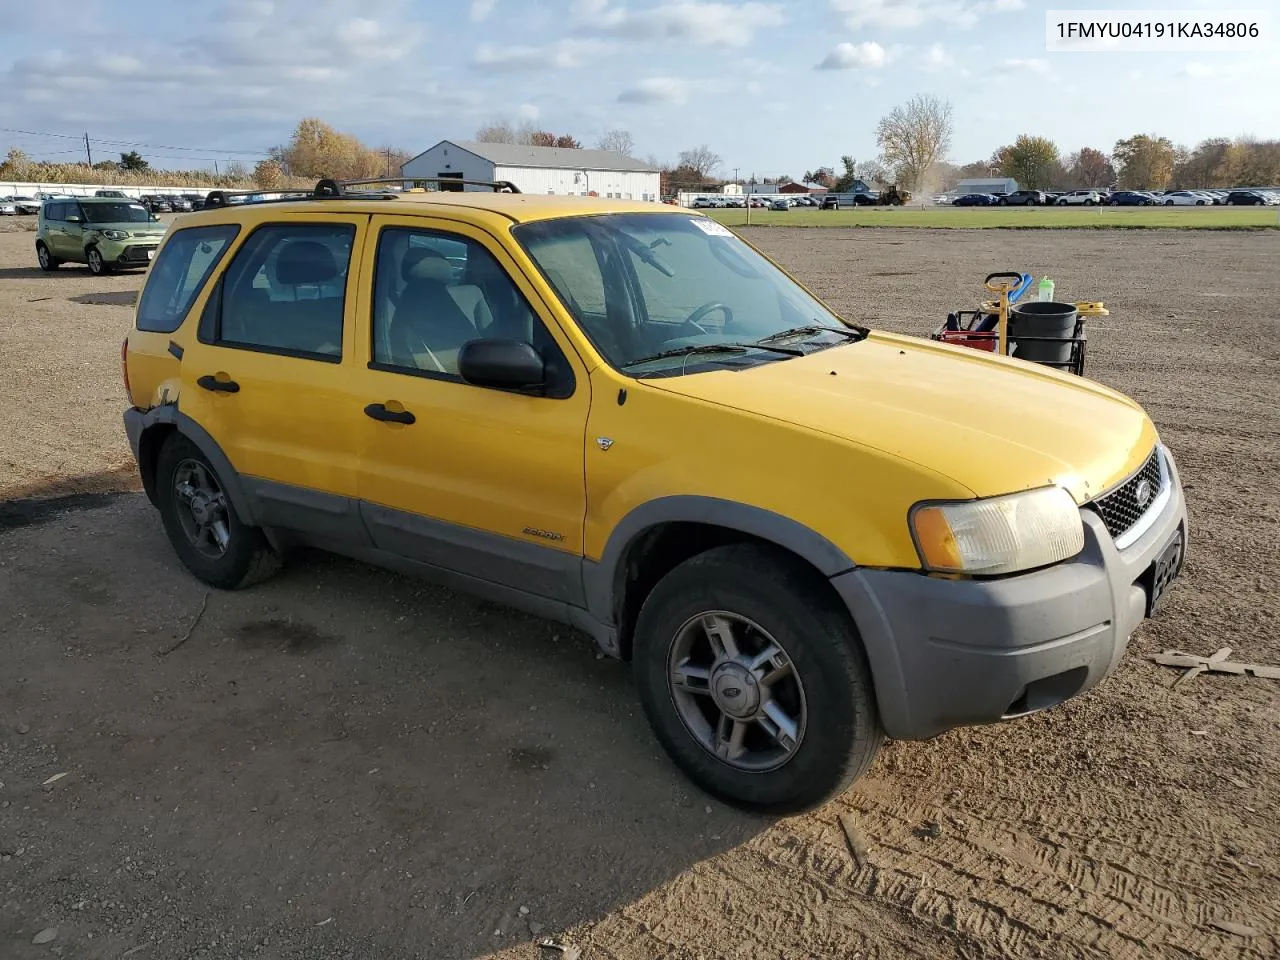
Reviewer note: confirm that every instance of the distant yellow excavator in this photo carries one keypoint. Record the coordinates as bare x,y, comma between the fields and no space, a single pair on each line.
893,197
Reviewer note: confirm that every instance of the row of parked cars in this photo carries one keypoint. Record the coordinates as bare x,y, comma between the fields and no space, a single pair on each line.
776,203
1118,198
153,202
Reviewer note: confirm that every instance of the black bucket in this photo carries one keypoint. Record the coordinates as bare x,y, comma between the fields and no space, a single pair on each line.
1041,318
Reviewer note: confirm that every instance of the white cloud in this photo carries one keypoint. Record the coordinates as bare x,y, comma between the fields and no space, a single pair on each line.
1036,65
907,14
859,56
480,9
559,55
527,111
706,23
936,57
671,90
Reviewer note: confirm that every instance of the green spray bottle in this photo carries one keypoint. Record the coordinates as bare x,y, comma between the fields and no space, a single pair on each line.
1045,290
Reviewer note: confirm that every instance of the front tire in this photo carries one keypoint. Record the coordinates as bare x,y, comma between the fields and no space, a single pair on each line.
48,262
97,265
202,525
755,681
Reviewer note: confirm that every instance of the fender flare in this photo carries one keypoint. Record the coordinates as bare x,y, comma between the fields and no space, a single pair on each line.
169,415
600,578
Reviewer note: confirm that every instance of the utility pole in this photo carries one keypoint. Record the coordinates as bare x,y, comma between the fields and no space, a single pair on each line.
750,196
215,168
88,154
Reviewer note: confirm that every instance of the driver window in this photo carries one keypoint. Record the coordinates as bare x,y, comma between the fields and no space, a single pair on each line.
434,292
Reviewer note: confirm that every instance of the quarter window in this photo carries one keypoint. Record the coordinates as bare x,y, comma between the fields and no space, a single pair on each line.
179,274
285,291
434,292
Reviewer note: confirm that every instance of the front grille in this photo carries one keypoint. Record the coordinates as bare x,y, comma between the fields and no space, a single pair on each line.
138,252
1119,509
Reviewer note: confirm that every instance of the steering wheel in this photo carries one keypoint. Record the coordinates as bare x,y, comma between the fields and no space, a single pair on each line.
701,313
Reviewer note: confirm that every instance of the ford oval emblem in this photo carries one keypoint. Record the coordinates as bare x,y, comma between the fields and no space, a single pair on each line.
1142,493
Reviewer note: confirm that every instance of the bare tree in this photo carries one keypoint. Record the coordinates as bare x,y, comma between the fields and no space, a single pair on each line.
620,141
496,131
703,159
502,130
914,136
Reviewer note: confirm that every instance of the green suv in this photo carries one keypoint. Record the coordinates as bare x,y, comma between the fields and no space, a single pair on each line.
103,232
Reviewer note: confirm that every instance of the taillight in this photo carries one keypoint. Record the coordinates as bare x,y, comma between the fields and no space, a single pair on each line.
124,368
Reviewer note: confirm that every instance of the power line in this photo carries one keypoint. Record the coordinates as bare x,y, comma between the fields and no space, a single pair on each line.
133,143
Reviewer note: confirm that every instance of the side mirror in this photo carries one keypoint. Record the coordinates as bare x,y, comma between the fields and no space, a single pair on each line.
73,219
502,364
154,218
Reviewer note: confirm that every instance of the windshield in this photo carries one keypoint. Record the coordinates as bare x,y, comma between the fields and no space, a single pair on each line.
666,294
115,213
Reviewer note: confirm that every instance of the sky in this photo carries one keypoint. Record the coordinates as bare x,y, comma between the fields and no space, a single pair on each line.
772,87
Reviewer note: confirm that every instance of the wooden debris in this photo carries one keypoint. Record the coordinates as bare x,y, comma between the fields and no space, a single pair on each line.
1218,663
1230,926
187,636
853,839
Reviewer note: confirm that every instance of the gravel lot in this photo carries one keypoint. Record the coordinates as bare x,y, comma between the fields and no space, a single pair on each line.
344,763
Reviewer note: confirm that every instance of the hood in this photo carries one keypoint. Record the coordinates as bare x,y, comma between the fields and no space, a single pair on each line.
992,424
135,228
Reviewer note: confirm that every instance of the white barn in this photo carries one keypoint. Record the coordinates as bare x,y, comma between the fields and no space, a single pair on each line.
555,170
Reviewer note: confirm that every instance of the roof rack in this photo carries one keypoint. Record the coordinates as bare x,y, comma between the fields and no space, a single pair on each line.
330,189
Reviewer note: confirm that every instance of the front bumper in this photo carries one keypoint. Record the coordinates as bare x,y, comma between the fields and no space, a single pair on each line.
949,653
125,253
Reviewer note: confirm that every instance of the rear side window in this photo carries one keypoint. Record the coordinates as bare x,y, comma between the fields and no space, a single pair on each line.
179,273
284,292
52,211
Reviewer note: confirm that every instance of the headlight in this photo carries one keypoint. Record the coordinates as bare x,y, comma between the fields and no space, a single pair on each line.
998,535
115,234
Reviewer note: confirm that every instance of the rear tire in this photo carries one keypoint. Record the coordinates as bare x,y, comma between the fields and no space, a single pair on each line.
48,262
812,727
229,557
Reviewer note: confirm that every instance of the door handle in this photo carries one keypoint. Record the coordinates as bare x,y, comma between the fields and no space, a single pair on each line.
379,412
210,382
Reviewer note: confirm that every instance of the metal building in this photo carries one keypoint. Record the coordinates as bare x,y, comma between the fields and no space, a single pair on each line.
554,170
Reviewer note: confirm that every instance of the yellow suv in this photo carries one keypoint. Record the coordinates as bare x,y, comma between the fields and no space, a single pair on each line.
805,534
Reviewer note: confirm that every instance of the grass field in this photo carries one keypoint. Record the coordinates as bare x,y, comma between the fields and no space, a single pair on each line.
969,218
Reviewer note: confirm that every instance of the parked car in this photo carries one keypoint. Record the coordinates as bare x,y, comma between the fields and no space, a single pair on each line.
830,202
7,207
1024,198
178,203
758,202
1249,198
780,203
112,194
27,205
197,201
155,203
102,232
1088,198
1130,198
778,630
1185,198
975,200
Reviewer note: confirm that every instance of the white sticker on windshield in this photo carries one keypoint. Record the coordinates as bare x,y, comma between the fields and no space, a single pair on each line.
711,228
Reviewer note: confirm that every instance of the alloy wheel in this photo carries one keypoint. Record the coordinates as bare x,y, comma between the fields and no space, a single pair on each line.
737,691
201,508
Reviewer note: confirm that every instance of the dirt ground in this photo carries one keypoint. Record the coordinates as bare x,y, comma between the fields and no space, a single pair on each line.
342,763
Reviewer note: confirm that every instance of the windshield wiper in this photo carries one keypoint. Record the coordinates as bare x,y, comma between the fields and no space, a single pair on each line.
852,334
693,348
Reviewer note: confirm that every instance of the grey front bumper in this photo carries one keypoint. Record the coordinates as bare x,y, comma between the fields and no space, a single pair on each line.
948,653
